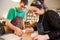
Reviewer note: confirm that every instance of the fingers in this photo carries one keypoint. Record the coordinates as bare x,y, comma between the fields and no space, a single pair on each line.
18,32
42,37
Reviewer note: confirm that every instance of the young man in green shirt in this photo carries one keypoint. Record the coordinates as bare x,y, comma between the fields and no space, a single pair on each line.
13,12
17,11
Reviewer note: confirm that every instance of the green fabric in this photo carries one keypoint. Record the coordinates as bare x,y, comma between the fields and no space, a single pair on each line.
13,12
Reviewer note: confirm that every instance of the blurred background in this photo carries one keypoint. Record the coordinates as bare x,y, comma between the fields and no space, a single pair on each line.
5,5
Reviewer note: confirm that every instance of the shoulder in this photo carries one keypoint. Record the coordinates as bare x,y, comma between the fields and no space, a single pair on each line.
12,9
52,12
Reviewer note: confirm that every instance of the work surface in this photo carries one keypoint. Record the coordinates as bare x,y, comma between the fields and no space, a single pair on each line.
25,36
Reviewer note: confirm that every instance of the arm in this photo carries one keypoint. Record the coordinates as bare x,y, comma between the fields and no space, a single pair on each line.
10,17
8,23
54,19
55,22
17,30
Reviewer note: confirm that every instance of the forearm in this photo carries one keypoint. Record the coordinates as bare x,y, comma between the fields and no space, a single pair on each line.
9,25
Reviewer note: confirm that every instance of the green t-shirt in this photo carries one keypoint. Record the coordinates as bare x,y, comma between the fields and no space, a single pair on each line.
13,12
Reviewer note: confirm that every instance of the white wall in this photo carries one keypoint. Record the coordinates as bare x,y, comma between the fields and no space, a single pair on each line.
52,4
4,6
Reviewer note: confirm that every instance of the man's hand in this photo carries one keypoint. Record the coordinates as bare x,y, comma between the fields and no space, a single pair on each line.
42,37
18,32
12,27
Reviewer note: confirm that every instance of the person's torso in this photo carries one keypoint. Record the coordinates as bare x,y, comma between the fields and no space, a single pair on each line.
20,13
46,22
13,12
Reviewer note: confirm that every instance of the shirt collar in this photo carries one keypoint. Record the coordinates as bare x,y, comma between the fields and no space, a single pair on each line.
18,10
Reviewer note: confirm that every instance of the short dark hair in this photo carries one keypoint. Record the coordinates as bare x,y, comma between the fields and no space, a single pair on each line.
25,2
